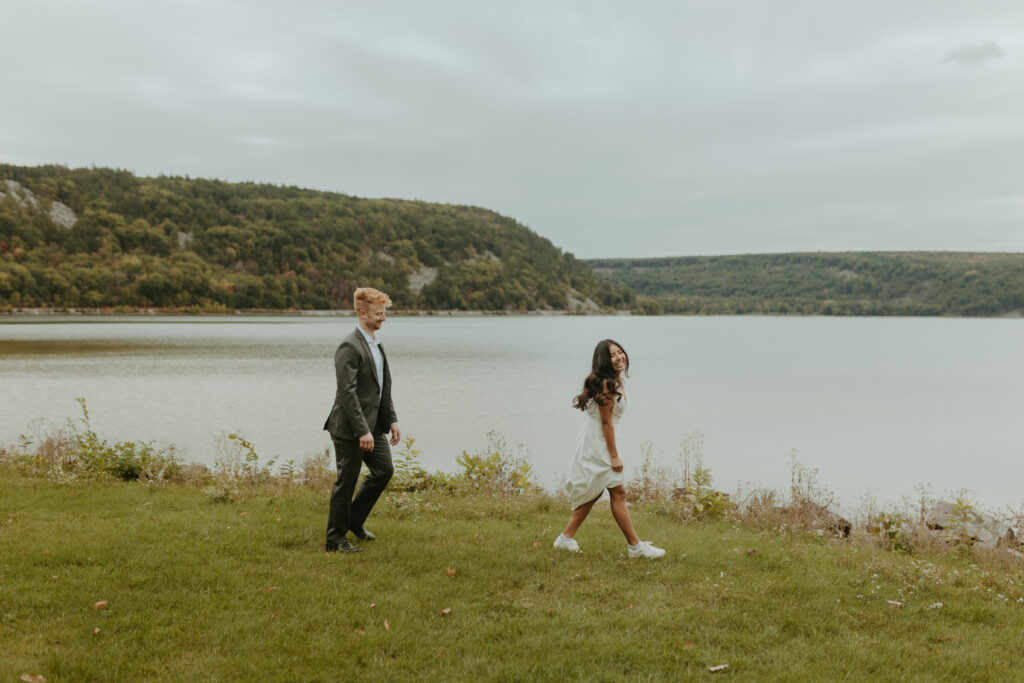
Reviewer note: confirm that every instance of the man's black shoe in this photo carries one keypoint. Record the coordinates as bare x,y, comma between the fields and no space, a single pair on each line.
364,535
343,547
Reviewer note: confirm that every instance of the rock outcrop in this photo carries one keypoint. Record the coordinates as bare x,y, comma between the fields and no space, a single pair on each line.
60,213
963,524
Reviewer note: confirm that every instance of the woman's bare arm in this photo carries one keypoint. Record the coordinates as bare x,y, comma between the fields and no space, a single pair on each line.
608,427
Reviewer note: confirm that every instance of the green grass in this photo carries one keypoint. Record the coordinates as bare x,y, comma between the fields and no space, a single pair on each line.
188,588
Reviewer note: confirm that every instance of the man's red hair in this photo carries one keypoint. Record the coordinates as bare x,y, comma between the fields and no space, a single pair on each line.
364,296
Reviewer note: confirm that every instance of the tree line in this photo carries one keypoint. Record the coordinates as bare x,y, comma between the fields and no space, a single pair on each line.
208,245
847,283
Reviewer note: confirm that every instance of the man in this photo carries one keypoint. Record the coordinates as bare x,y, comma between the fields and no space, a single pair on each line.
362,418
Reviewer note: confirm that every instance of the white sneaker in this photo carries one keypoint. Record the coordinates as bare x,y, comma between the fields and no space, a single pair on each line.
570,544
646,549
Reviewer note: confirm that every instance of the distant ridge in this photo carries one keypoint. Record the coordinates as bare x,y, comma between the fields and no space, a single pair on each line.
98,237
845,283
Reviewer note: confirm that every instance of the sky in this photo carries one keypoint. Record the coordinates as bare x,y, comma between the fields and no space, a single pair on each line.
614,129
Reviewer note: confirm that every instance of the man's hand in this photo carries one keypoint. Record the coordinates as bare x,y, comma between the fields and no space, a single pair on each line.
366,442
616,463
396,435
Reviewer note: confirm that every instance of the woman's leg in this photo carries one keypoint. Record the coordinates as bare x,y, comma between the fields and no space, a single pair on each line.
621,513
576,518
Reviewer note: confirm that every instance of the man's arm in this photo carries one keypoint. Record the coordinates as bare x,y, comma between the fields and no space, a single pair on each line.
346,367
393,418
396,433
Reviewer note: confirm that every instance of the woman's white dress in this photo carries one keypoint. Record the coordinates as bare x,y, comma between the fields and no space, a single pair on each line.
590,472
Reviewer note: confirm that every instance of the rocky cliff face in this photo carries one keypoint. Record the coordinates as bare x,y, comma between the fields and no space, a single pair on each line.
61,214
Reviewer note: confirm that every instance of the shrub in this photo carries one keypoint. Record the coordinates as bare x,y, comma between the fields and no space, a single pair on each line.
495,470
410,476
699,499
75,450
892,530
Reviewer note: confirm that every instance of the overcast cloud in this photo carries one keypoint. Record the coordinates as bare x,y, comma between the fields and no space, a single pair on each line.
612,128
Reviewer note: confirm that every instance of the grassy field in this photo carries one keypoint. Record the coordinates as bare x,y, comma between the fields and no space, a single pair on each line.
468,587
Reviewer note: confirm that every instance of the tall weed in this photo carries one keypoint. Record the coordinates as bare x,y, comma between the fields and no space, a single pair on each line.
685,497
237,471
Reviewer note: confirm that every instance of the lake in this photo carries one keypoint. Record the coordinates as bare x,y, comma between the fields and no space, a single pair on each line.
878,406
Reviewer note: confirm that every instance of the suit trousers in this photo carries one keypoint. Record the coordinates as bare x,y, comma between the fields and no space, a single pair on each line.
348,513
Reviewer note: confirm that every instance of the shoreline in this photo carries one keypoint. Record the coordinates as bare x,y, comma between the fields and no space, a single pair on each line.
272,312
42,313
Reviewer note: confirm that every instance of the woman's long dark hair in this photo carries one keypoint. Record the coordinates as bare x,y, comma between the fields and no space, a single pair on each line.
603,383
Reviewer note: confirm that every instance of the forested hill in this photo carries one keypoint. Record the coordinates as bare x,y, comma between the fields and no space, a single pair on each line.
98,237
849,283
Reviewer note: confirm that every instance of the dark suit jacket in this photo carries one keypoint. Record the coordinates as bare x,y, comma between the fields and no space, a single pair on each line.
362,403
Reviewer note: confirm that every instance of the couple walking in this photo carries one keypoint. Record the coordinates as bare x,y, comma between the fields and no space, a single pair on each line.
363,426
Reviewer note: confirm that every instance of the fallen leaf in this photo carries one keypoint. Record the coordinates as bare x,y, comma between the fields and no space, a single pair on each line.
551,610
274,615
96,630
155,519
689,646
244,514
29,678
102,604
445,612
387,626
267,589
720,667
275,509
536,544
629,606
451,571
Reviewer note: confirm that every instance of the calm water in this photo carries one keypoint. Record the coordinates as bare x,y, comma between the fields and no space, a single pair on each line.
877,405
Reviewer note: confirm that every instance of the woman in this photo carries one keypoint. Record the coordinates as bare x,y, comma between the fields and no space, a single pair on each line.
596,465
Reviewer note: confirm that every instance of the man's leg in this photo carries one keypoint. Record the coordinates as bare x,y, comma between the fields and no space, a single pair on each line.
379,464
349,460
